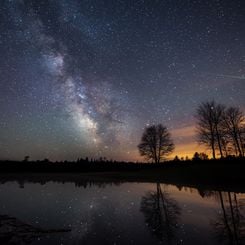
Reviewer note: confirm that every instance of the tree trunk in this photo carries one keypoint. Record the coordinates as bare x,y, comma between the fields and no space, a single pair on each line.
219,142
213,149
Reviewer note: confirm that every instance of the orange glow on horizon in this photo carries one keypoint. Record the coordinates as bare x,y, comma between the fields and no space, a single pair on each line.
186,144
188,150
185,141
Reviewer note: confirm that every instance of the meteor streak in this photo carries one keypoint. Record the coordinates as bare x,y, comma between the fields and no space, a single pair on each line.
231,76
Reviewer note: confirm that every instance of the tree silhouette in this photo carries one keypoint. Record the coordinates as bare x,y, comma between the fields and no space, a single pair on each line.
221,128
210,116
200,156
176,159
156,143
26,158
161,214
234,121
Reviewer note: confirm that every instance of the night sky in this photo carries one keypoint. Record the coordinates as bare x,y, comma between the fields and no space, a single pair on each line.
84,77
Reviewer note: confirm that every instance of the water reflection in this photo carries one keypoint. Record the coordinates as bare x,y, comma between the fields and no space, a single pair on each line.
229,225
161,214
88,211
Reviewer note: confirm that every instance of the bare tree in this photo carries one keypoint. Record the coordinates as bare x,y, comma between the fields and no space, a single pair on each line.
210,116
156,143
234,122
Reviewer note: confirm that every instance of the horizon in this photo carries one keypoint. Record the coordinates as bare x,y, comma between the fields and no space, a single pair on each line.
83,79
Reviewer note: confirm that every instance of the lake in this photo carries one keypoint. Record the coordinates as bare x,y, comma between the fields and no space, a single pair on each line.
90,212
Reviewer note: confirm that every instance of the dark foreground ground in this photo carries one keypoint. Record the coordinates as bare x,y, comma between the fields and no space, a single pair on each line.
226,175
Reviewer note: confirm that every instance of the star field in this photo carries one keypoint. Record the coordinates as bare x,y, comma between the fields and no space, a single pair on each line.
83,78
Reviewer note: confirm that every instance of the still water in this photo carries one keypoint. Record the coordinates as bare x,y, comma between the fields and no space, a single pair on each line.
55,212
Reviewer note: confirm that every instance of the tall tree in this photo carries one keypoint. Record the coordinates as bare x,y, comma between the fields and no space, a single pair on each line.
156,143
205,125
234,122
209,117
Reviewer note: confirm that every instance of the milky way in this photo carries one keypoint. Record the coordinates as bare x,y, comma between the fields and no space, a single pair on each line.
83,78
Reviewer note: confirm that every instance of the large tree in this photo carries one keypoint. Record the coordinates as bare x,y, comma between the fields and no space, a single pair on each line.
156,143
234,122
221,128
210,116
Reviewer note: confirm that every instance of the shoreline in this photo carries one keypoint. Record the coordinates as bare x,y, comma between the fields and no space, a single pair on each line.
218,177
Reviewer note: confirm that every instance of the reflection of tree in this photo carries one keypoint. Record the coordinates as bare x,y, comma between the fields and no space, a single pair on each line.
161,214
230,223
22,180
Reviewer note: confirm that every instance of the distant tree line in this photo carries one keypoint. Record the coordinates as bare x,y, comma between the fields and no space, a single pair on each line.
221,129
